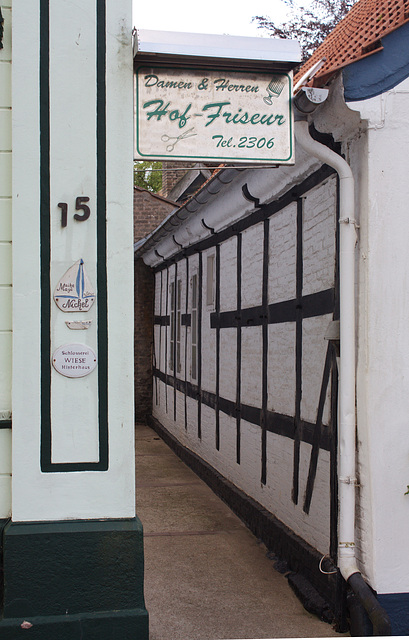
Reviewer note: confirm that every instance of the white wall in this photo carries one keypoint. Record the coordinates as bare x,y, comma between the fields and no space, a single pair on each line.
66,494
5,263
383,343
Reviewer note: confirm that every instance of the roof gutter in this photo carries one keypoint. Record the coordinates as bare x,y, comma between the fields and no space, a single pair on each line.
182,214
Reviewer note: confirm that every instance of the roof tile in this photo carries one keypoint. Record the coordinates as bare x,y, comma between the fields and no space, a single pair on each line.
358,35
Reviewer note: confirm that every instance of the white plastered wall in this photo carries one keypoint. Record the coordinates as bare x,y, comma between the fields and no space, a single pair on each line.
80,494
380,162
5,264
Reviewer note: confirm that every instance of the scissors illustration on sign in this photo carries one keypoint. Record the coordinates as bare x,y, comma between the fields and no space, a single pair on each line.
171,146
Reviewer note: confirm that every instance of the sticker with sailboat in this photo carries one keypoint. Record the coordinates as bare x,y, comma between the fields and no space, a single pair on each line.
74,291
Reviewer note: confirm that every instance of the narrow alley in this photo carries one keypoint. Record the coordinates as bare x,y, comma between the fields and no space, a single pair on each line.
206,576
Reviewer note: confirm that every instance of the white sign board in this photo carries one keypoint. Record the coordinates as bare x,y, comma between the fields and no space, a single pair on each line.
74,360
213,115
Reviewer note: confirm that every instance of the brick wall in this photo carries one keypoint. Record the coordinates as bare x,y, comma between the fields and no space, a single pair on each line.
149,211
171,174
143,337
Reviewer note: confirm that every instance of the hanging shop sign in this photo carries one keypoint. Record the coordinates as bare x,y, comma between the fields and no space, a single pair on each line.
213,115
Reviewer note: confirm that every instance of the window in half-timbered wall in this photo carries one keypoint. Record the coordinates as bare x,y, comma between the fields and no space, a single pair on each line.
172,326
178,323
210,277
175,294
193,332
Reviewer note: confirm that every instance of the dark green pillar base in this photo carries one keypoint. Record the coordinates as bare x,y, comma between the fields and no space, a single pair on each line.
74,580
107,624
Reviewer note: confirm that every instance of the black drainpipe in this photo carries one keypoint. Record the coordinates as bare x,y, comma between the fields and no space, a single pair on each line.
376,621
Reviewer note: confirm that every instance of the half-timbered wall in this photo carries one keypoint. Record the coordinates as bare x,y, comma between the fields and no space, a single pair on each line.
265,379
244,376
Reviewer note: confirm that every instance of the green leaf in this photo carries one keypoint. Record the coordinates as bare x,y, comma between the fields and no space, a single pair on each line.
148,175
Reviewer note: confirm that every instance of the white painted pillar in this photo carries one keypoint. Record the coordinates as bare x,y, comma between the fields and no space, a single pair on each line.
73,521
73,437
5,264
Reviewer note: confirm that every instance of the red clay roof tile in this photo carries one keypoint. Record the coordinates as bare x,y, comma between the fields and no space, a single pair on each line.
358,35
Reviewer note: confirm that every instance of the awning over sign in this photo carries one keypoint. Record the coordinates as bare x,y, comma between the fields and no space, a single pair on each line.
233,51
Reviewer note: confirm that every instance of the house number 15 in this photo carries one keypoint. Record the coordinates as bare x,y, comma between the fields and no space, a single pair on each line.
80,205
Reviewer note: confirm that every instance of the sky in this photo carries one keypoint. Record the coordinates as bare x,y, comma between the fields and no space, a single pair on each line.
229,17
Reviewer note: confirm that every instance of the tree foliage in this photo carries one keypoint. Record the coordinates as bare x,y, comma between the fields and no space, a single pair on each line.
148,175
308,24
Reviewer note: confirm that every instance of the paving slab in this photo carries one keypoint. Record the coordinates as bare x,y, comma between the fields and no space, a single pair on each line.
207,577
185,508
170,471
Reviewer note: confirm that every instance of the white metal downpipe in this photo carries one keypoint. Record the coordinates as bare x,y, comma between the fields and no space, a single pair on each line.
346,480
346,397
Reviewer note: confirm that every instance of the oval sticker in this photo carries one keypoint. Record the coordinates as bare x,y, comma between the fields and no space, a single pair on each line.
74,360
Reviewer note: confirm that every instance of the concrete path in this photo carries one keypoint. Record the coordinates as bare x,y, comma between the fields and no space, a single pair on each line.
206,576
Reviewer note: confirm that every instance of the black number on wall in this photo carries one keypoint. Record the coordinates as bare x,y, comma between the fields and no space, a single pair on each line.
80,205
